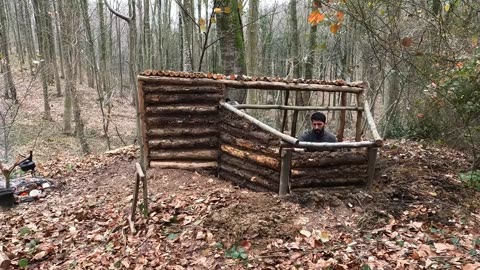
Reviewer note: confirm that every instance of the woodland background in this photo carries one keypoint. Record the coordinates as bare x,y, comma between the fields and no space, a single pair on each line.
421,59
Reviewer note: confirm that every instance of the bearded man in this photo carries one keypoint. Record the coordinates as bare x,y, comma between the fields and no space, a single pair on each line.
318,132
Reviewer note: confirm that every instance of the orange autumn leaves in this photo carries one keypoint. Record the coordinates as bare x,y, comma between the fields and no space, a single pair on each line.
316,17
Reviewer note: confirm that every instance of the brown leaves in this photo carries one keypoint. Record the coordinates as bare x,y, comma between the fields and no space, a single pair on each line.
335,27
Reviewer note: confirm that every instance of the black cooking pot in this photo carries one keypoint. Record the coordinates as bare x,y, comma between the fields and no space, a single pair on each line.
27,165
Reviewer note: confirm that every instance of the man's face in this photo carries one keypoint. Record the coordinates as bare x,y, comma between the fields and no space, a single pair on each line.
318,126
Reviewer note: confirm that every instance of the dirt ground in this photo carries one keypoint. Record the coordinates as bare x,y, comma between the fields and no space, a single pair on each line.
418,215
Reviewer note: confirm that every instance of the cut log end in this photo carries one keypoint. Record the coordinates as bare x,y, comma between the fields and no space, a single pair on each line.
4,261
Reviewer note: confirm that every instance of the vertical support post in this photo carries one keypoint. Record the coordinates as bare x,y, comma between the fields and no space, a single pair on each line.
135,197
141,176
358,126
341,128
285,112
142,125
286,161
294,124
372,157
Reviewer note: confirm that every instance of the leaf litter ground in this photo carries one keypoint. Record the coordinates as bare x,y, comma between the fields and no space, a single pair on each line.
417,215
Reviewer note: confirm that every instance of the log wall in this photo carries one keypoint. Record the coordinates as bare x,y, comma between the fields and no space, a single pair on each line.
324,169
249,156
180,124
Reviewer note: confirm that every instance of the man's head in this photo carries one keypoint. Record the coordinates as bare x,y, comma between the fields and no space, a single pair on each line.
318,122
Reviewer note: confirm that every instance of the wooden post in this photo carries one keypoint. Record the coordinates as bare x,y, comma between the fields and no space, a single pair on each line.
286,162
358,126
294,124
142,127
285,113
139,177
341,128
372,157
372,126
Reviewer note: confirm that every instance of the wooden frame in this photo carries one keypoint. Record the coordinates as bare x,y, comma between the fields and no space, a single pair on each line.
174,138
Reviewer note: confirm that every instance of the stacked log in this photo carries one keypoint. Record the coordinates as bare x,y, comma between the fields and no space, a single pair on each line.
323,169
181,125
249,156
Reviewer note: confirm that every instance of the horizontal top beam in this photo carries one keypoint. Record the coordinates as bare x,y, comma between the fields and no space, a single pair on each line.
265,85
298,108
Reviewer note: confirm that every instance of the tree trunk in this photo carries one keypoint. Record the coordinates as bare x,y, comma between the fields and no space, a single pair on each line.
147,35
59,37
70,21
232,45
10,90
19,45
120,58
252,38
187,32
27,30
42,43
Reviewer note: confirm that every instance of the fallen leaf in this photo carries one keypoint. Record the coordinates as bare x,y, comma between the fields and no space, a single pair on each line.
245,244
440,247
39,255
306,233
471,266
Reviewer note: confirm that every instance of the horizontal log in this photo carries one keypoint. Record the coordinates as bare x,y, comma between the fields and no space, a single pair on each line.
248,144
328,172
259,136
181,89
184,120
251,167
263,160
179,132
319,159
234,179
260,124
248,176
251,84
312,183
183,154
187,98
183,165
329,146
175,143
298,108
179,110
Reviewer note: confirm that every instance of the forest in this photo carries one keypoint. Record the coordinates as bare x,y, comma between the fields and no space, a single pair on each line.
69,94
